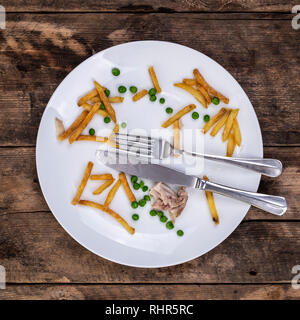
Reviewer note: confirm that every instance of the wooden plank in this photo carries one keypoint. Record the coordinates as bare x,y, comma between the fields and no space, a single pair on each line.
20,191
35,249
39,50
153,292
147,6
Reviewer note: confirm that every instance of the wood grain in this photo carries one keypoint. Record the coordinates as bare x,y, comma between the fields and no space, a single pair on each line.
153,292
147,5
39,50
34,248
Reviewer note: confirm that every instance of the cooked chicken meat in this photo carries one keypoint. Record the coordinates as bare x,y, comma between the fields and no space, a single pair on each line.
167,199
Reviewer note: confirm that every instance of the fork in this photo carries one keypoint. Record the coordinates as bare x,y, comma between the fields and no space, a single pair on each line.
158,148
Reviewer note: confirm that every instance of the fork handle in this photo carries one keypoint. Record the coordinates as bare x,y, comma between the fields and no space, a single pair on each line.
267,167
272,204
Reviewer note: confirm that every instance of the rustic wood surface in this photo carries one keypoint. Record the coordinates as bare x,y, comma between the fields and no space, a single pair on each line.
43,42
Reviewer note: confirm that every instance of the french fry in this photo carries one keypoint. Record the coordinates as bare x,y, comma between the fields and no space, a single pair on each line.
139,95
154,79
213,120
110,99
73,126
88,107
220,124
228,124
199,78
106,176
178,115
123,179
91,138
211,204
83,183
204,93
112,193
176,138
59,127
103,186
84,123
189,82
230,145
237,132
110,212
110,141
88,97
197,94
110,110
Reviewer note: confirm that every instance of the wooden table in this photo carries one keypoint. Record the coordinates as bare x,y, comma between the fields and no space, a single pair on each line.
42,43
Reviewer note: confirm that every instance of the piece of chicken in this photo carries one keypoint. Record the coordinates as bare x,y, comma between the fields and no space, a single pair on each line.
167,199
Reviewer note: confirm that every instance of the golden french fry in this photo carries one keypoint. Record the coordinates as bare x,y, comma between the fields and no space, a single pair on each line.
88,107
88,97
127,189
112,193
178,115
104,186
237,132
176,138
139,95
220,124
111,139
228,124
84,123
211,204
110,99
91,138
154,79
197,94
106,176
230,145
83,183
73,126
189,82
59,127
213,120
199,78
110,110
204,93
110,212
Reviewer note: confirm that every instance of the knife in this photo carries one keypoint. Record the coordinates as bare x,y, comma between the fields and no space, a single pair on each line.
269,203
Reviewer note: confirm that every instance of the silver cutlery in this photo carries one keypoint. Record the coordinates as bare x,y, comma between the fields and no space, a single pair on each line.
157,148
273,204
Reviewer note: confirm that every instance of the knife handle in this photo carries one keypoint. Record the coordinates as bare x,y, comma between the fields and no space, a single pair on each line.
272,204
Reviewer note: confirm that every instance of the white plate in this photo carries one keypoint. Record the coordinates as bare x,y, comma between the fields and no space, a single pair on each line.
60,166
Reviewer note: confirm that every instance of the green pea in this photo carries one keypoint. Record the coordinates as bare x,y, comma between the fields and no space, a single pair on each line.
169,110
152,92
122,89
152,98
160,213
145,188
135,217
134,179
153,213
206,118
163,219
107,92
170,225
180,233
123,124
142,183
162,100
92,131
133,89
215,100
195,115
102,106
147,198
115,71
134,204
106,119
136,186
142,202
